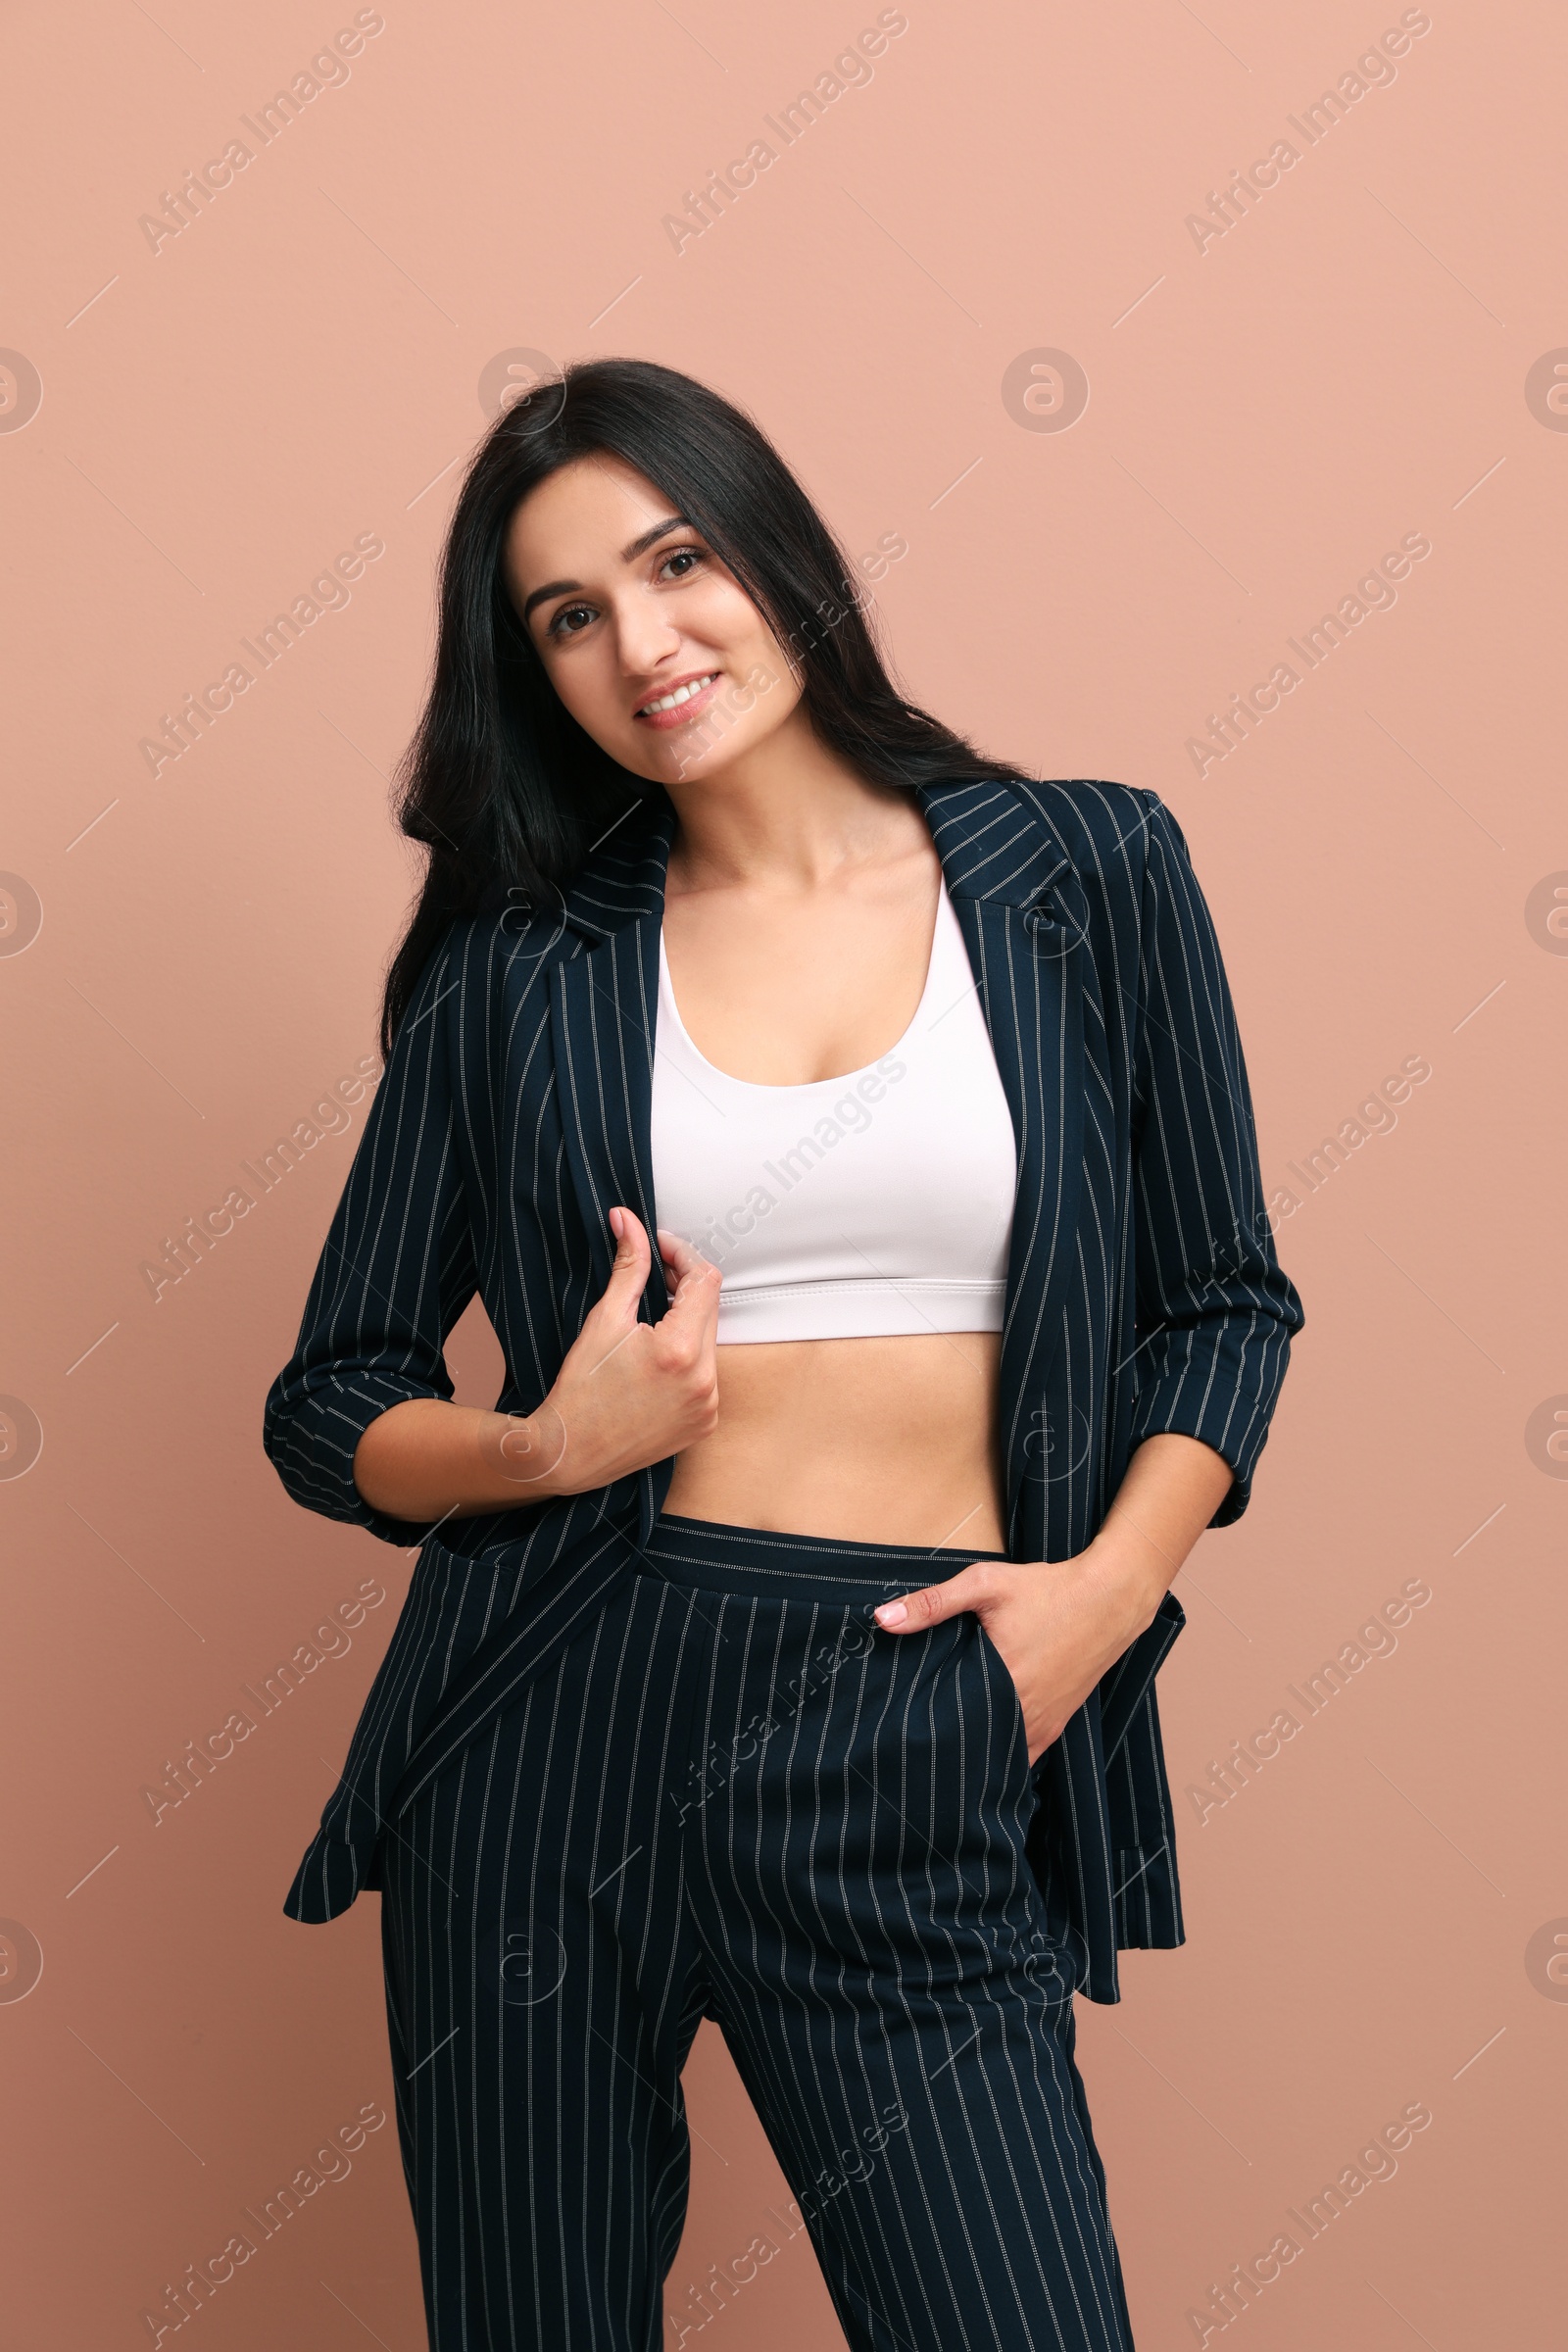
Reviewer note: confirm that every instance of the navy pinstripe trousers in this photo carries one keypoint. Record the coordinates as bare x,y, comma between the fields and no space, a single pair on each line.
735,1795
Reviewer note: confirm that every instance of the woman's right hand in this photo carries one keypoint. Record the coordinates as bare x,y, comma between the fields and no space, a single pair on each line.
628,1392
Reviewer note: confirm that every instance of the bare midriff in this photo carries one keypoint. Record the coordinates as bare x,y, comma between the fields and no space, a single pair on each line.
874,1441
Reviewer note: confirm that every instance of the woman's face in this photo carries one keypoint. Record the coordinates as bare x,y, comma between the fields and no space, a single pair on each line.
629,607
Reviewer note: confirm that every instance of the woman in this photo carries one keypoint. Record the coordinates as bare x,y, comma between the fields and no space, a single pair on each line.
781,1648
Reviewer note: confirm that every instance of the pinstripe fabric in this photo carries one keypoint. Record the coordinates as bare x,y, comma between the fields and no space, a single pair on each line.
734,1796
1143,1292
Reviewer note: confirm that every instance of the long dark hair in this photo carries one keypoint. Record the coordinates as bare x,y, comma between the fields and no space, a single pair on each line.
499,783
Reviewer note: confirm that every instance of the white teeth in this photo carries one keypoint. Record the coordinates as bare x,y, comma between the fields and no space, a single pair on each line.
682,694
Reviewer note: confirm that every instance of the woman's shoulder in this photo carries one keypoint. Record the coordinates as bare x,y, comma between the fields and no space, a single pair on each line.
1097,821
486,971
508,936
1110,832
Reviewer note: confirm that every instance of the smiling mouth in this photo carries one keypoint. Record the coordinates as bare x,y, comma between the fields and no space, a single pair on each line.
666,708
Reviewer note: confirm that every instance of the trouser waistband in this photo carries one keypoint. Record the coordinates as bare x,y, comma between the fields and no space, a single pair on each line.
767,1563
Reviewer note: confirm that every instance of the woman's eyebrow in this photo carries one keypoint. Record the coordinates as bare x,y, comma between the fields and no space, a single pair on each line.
639,547
628,555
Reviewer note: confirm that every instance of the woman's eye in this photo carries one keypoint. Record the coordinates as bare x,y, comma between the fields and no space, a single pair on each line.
576,615
685,557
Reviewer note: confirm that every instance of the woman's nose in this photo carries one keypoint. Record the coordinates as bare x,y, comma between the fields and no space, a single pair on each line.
645,639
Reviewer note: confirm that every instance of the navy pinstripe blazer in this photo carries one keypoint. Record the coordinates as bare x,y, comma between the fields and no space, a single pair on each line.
1143,1289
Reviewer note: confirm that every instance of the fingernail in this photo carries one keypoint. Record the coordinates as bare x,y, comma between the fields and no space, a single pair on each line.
892,1612
615,1222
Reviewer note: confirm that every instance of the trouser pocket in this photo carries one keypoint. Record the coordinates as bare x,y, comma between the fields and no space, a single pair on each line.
1013,1732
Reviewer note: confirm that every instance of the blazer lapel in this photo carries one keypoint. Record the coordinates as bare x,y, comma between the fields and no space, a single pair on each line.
602,1007
1024,918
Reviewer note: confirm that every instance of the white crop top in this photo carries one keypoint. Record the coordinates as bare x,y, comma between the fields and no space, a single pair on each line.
878,1202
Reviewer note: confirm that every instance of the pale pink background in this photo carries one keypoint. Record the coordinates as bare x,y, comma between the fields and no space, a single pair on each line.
1267,417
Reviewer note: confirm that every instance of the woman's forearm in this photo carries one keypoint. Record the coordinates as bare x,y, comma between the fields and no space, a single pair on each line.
628,1393
430,1459
1172,1489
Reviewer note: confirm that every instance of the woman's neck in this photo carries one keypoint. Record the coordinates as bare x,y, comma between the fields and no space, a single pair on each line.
789,816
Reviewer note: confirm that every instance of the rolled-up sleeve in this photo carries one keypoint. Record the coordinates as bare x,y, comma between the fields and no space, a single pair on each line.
396,1272
1214,1313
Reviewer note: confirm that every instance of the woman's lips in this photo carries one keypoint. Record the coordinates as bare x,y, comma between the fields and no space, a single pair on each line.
663,720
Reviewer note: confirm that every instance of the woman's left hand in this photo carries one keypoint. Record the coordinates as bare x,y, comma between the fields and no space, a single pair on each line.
1060,1625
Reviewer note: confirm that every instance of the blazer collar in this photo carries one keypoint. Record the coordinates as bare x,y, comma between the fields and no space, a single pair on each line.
995,840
